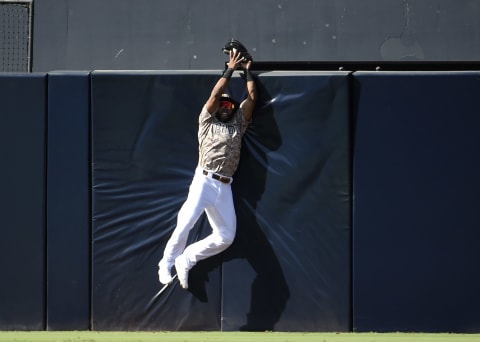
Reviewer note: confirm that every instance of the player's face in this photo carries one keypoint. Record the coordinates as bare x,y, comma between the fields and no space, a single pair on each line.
225,111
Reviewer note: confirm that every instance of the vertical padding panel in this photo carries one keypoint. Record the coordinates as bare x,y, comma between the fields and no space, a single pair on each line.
68,201
416,186
144,153
289,266
22,209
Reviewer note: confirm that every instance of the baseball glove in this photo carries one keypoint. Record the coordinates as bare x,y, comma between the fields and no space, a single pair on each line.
235,45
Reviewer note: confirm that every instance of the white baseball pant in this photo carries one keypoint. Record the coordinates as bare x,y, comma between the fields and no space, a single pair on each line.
215,198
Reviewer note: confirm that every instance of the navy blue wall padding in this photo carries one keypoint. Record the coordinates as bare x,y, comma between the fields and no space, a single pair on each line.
416,186
68,201
289,267
144,151
22,175
292,191
415,195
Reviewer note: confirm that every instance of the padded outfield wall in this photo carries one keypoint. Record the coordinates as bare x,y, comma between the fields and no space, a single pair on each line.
355,199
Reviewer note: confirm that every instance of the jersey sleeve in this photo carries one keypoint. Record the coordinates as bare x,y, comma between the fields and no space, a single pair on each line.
204,115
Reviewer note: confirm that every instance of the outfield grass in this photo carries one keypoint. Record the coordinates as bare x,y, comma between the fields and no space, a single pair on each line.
88,336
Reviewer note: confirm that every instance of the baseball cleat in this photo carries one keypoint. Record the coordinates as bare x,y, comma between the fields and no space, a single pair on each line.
164,275
182,271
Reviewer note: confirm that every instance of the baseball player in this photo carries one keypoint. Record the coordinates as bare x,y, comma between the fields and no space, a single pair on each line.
222,123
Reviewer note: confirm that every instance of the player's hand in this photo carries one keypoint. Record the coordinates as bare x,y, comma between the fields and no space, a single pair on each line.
235,59
246,66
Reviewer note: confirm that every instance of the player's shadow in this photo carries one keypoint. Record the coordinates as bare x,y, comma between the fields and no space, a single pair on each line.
269,290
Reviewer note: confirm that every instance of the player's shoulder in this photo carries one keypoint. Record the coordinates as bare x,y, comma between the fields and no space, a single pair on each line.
205,111
205,116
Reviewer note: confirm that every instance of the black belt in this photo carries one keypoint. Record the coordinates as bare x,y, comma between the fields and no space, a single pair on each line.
222,179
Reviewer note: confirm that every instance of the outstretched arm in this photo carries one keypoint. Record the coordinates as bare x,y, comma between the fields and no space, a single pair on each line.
219,88
249,103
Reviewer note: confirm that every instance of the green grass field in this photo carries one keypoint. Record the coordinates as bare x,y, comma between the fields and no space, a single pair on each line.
87,336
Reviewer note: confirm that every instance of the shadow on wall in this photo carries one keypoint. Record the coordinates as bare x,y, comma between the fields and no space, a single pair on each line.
269,291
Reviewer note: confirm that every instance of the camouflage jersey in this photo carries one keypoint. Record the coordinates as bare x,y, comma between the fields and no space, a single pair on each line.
220,143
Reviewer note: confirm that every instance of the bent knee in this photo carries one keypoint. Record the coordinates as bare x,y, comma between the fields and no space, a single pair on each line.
225,240
228,240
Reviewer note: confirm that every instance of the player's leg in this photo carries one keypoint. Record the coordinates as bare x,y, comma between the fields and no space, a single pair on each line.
223,221
192,208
